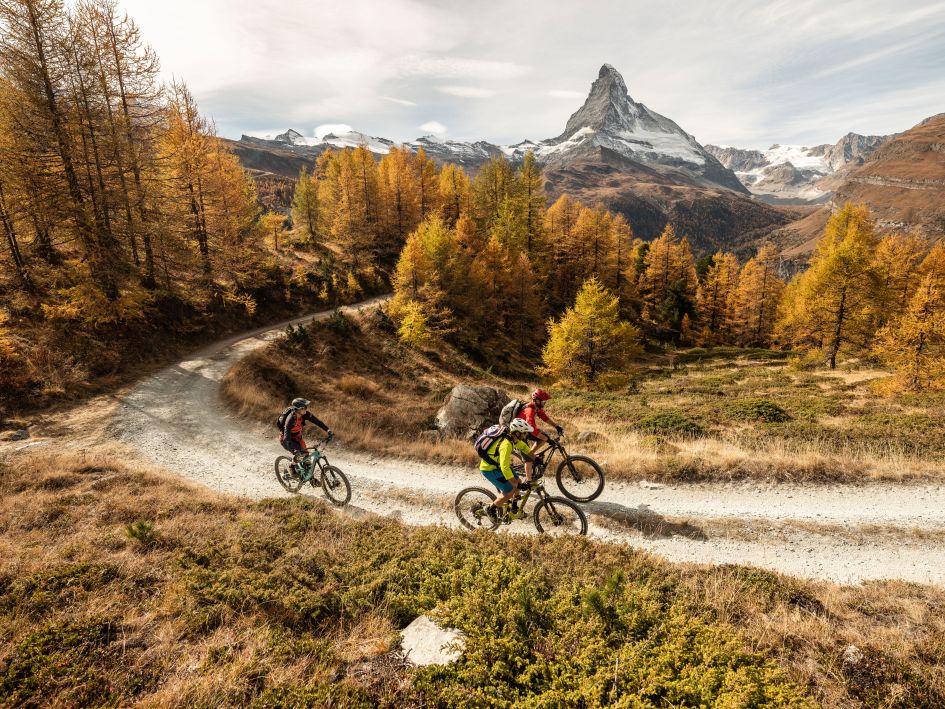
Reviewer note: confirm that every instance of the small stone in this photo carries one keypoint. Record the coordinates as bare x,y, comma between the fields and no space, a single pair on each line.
852,656
425,642
19,435
647,485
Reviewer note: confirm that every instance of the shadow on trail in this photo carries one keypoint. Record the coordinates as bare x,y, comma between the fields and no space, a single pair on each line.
649,523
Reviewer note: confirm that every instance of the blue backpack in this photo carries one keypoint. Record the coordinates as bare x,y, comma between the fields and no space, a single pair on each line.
486,440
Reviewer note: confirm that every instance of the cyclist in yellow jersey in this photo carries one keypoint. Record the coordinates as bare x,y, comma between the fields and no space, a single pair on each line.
501,475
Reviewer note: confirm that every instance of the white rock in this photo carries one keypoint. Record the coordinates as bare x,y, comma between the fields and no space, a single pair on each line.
425,642
651,486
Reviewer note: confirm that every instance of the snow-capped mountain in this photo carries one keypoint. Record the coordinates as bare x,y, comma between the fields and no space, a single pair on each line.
610,121
795,173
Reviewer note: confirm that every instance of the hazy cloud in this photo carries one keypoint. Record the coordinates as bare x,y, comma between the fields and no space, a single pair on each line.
466,91
737,72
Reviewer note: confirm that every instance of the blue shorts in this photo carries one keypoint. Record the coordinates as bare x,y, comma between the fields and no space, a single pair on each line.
496,477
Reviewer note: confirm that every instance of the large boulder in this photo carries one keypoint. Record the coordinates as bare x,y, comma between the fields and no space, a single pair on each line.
469,410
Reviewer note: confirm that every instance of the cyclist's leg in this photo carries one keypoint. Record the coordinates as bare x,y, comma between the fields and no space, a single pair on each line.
505,487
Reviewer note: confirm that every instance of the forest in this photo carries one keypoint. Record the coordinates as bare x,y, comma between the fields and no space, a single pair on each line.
129,224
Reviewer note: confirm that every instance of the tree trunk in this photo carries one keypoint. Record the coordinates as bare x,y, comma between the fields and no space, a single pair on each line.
837,331
19,264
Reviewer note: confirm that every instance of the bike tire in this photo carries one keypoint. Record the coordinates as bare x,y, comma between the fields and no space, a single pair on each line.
465,507
580,478
550,518
335,486
290,482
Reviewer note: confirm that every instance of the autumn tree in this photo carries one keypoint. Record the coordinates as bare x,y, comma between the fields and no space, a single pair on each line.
668,283
454,194
757,298
590,339
914,341
717,299
306,207
831,306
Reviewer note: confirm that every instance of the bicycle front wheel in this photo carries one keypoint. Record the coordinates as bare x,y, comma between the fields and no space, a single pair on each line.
470,507
287,475
579,478
558,517
335,485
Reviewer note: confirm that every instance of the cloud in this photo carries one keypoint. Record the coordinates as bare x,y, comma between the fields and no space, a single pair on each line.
336,128
466,91
459,68
400,101
434,127
561,93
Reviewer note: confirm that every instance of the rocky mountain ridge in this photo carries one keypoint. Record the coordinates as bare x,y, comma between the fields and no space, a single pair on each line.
798,174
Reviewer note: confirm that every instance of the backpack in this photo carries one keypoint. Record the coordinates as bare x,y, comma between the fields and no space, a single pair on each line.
485,441
280,422
510,411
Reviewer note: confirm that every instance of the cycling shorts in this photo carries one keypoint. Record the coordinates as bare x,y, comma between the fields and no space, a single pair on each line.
496,477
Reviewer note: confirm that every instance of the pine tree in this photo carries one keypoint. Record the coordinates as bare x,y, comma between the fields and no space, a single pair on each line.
492,186
590,339
831,306
428,196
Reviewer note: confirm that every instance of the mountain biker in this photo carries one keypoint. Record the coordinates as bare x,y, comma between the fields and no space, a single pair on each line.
502,475
296,416
536,407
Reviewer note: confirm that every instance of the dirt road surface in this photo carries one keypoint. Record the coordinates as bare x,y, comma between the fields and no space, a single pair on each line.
849,534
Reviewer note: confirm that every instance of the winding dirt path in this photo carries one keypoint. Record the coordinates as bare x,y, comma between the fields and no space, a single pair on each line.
848,534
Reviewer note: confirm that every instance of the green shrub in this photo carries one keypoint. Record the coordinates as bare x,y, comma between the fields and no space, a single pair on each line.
297,337
670,423
757,409
142,532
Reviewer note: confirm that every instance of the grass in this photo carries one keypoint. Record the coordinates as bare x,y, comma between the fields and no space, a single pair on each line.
698,416
284,602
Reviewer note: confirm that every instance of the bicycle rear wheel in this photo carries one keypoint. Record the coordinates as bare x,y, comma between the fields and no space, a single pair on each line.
558,517
290,480
579,478
335,485
470,508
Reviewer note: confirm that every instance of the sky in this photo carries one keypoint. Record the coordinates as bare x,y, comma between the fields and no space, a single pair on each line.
747,73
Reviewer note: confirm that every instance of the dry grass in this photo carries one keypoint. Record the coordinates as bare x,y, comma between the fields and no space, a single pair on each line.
184,626
381,397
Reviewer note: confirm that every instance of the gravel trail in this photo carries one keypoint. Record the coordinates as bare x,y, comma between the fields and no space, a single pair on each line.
176,419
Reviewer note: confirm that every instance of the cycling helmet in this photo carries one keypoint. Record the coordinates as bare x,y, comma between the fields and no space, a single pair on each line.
300,403
540,395
520,426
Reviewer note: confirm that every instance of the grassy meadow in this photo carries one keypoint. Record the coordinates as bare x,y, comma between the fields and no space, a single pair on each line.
119,585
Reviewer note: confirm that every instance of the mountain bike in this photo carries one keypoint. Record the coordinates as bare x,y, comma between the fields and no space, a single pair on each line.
579,478
551,515
293,473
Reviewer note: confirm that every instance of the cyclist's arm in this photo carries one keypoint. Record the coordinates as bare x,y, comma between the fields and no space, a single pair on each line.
505,459
287,427
309,416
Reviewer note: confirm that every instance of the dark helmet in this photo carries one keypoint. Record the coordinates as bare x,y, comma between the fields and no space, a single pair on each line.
300,403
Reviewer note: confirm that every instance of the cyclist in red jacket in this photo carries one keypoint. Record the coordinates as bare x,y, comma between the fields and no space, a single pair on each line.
536,409
295,418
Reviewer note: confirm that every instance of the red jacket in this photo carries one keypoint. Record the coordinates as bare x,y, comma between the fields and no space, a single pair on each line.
294,425
529,411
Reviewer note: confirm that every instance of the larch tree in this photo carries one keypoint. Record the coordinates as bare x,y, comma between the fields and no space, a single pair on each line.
914,342
590,339
759,294
668,283
831,306
532,204
717,299
454,194
306,208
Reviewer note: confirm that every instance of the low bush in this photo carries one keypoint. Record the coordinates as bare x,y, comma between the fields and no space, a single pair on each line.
757,409
670,423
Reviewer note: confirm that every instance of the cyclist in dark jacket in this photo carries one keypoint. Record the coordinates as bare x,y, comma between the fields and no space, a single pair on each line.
296,418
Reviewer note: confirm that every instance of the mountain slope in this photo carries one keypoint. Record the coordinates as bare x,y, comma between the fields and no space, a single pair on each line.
902,182
798,174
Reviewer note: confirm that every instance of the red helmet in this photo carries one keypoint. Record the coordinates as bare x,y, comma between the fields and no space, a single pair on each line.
540,395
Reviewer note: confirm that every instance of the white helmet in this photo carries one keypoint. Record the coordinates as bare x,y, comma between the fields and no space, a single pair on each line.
520,426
